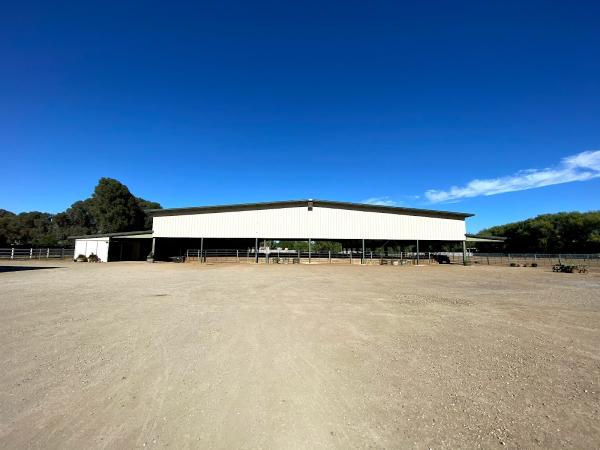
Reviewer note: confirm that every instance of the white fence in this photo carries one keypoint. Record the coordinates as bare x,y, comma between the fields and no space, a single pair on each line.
36,253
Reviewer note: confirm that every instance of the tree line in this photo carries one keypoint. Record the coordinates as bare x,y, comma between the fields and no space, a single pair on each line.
111,208
565,232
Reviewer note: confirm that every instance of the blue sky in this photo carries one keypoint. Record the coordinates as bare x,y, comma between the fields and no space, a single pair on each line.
219,102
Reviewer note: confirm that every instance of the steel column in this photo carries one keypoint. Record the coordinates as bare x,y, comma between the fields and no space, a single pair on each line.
362,256
151,256
418,256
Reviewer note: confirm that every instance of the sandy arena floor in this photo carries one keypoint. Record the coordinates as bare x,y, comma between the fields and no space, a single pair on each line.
127,355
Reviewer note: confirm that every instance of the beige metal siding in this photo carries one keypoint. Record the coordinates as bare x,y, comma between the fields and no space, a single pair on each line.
300,223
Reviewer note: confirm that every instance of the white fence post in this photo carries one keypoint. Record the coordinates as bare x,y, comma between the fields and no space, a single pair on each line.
12,253
30,253
47,253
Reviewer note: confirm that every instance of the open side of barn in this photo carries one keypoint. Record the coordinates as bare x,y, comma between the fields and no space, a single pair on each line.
248,226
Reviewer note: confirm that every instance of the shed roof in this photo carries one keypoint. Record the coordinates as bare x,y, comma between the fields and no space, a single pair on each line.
121,234
479,238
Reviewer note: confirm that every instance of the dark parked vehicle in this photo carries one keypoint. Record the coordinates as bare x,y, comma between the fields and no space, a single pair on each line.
442,259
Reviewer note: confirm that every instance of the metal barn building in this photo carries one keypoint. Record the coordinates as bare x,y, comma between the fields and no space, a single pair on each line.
245,226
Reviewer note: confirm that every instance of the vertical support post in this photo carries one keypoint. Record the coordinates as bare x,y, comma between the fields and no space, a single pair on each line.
465,258
267,252
418,255
237,256
201,249
351,256
47,253
12,253
152,254
62,253
362,255
309,250
329,256
31,253
256,251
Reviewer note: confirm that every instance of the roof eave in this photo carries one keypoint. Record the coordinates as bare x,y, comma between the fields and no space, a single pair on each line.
99,235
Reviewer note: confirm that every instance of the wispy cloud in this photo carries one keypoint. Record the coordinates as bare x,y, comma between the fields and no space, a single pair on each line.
581,167
382,201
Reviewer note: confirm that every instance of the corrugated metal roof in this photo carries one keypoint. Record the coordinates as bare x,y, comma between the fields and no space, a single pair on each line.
121,234
307,203
478,238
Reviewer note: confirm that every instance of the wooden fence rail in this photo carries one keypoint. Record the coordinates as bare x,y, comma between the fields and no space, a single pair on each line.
36,253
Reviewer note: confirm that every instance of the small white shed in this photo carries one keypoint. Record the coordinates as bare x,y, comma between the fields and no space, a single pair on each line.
96,245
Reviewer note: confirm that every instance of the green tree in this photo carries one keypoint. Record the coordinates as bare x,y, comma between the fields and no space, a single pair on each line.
75,221
7,227
566,232
146,205
33,228
114,208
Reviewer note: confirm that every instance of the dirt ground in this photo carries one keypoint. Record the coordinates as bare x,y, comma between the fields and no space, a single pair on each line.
127,355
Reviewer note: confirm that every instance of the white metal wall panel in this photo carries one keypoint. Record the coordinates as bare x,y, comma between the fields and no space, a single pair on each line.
300,223
97,246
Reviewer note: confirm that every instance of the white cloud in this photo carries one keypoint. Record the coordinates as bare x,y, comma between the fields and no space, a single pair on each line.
581,167
381,201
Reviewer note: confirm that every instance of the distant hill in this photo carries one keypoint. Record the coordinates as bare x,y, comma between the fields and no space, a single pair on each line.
565,232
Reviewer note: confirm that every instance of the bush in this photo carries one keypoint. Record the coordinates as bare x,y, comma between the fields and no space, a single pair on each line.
93,258
533,264
81,258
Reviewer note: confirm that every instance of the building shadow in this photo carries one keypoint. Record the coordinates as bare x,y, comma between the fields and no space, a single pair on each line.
20,268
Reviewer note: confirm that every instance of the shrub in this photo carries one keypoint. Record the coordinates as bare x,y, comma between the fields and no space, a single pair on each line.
533,264
81,258
93,258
